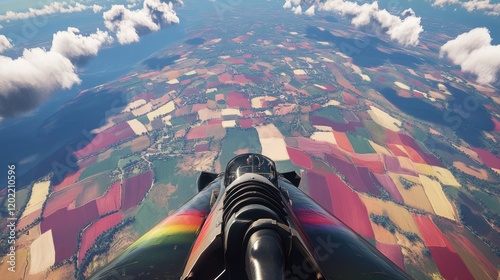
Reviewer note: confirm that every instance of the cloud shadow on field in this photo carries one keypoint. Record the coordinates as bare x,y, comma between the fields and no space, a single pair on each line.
364,51
468,124
158,63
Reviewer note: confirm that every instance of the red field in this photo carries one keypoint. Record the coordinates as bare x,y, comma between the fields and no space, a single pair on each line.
134,189
241,79
299,158
414,155
201,148
433,237
312,147
106,138
359,178
93,231
62,199
450,264
370,161
343,141
347,206
70,179
497,124
237,100
319,190
349,99
197,132
488,270
395,150
341,127
392,252
65,225
109,201
226,77
387,183
245,123
488,158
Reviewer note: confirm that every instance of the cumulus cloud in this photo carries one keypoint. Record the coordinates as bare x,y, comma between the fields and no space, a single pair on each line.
287,5
27,81
52,8
405,31
129,24
472,5
30,79
310,11
475,54
97,8
4,44
73,45
297,10
441,3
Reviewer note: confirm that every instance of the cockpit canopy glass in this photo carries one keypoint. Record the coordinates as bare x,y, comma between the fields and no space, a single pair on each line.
250,163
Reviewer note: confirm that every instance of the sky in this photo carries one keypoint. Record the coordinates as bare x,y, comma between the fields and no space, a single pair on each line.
46,45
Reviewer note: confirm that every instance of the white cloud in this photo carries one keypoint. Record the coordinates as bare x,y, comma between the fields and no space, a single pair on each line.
475,54
27,81
472,5
129,24
405,31
4,44
310,11
73,45
287,5
52,8
441,3
482,5
97,8
297,10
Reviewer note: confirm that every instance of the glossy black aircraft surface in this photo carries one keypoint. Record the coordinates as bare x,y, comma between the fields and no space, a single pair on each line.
251,222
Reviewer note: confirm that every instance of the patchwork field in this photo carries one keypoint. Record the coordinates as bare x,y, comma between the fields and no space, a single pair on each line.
272,142
93,231
384,119
38,196
437,198
42,253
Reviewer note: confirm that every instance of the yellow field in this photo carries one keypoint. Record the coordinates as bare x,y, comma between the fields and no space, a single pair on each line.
134,104
142,110
445,176
272,142
137,127
231,123
438,199
38,196
325,136
382,234
401,85
231,112
206,114
163,110
398,214
42,252
415,196
166,120
384,119
424,169
380,149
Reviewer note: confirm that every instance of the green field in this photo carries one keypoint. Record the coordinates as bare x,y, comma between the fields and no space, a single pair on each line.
123,162
360,144
107,164
294,83
490,201
331,113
